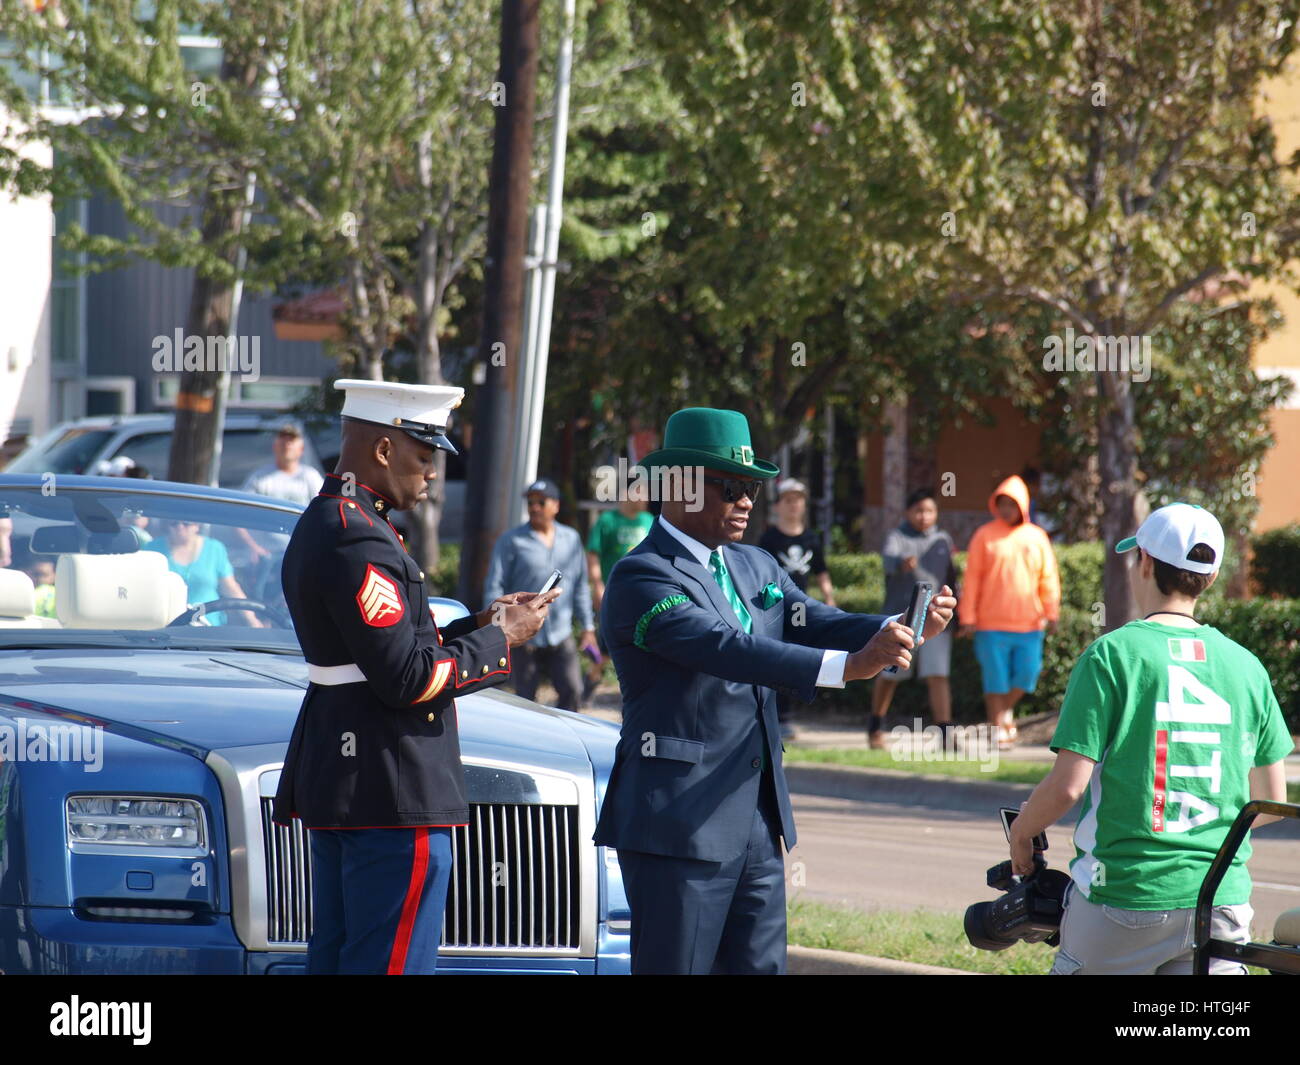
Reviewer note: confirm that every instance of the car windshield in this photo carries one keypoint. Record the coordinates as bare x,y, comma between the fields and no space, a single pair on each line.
242,452
141,566
71,452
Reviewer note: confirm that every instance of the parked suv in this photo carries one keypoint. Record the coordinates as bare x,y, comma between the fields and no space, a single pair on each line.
80,446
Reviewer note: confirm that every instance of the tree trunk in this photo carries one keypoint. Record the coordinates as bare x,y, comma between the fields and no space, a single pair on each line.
1117,467
489,510
864,465
208,322
194,434
922,458
894,485
429,515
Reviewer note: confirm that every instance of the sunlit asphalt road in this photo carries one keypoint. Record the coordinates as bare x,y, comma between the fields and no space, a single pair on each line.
889,851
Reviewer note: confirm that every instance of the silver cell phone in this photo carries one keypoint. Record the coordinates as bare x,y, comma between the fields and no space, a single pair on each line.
551,582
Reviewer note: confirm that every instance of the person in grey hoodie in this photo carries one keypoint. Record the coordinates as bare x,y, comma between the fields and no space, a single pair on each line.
918,550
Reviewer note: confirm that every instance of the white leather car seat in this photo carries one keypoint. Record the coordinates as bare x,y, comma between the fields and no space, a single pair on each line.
18,603
130,591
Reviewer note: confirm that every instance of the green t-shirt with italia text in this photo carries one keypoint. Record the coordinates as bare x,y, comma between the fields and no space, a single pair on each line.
1175,719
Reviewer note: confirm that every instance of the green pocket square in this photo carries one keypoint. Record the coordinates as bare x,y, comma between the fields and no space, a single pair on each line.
770,595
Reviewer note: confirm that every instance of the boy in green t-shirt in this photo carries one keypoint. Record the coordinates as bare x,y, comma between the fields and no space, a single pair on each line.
1169,728
614,533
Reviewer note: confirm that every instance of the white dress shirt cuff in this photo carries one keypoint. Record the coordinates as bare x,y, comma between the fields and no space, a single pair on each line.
831,675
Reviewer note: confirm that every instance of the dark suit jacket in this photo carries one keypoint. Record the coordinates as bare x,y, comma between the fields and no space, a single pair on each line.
699,710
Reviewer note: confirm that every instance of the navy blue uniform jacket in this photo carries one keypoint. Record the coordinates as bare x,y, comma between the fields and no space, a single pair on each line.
383,752
699,709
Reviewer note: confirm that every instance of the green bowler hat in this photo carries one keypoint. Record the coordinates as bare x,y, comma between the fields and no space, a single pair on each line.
704,436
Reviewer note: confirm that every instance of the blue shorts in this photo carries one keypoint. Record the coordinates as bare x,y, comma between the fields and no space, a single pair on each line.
1009,660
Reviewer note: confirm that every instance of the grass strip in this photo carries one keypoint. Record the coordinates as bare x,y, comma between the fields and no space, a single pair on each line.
928,937
1005,771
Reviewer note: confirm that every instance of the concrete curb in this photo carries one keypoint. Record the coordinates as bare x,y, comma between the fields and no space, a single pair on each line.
813,961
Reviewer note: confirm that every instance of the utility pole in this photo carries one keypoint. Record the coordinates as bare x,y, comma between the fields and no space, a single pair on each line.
488,510
544,254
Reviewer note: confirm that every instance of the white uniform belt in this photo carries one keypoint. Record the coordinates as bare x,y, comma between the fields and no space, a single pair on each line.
348,674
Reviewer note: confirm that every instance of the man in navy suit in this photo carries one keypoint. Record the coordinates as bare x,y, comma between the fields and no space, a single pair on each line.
702,631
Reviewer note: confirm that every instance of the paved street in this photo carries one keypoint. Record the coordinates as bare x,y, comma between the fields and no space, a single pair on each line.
887,855
896,841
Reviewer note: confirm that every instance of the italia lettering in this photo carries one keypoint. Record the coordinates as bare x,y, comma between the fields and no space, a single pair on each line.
1190,702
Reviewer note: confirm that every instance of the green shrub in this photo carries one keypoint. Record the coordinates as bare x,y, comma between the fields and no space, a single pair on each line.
858,600
1275,568
862,570
1270,630
447,576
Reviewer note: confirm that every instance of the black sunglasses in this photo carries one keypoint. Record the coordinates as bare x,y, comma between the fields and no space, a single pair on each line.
733,488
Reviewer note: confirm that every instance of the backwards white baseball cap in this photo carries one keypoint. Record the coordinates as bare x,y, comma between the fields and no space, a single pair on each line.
420,411
1171,532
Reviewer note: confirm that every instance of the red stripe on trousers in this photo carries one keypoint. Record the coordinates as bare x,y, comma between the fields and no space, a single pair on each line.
1158,803
411,905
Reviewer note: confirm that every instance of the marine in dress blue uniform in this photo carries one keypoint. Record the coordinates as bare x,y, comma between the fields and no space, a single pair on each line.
697,803
373,766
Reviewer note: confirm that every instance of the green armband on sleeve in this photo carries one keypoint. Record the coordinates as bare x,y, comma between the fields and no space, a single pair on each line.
643,622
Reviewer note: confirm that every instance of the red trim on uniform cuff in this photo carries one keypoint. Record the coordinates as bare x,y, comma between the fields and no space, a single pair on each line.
467,681
443,670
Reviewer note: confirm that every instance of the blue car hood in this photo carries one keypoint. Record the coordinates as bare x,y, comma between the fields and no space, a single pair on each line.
213,700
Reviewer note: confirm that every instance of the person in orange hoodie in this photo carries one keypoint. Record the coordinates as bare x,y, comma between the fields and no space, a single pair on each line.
1012,594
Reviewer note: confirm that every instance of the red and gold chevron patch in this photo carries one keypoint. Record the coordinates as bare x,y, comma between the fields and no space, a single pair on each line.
379,600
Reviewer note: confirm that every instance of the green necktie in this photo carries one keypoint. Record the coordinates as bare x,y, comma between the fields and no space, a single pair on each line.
720,574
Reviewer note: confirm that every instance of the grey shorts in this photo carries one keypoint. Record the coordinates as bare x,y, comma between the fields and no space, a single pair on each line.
1101,940
932,659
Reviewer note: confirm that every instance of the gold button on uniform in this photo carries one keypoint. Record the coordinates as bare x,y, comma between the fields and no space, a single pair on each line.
352,506
421,574
501,662
431,717
464,673
485,669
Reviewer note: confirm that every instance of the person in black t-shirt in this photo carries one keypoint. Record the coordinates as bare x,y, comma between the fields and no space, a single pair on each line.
799,550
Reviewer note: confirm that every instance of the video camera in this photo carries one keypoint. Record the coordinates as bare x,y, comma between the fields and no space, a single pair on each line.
1031,909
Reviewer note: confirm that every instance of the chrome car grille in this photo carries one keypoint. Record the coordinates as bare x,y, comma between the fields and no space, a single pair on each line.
515,881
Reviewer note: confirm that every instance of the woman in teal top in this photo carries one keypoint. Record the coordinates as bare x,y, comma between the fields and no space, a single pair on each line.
203,563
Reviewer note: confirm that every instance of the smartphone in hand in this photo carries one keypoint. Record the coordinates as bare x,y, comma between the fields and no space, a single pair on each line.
917,610
555,578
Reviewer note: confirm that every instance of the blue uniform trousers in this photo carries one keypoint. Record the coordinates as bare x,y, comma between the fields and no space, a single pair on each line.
378,896
697,917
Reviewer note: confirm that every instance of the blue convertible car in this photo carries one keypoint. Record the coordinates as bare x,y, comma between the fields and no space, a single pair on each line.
149,681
